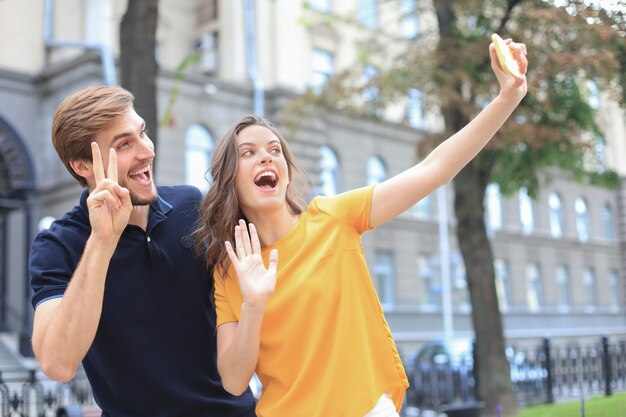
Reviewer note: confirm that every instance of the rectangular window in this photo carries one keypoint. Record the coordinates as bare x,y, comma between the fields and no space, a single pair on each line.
562,281
370,93
430,272
409,22
323,66
385,273
607,222
323,6
493,209
501,269
415,109
208,12
533,287
423,210
367,13
614,290
460,295
589,284
207,46
526,211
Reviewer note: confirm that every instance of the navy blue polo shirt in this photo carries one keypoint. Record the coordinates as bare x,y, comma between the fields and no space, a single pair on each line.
154,353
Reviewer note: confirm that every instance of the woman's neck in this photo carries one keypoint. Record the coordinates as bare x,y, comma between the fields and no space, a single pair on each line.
273,226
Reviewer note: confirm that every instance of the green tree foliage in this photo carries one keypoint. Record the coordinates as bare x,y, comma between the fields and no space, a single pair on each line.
574,50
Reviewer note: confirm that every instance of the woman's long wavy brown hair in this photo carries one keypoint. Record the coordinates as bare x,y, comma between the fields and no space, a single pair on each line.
220,211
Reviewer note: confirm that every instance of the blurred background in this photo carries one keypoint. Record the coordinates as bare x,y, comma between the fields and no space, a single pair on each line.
521,261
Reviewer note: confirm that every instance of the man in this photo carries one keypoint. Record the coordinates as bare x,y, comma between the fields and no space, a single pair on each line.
116,282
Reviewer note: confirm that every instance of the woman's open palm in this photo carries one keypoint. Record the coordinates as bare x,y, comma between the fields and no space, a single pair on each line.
257,283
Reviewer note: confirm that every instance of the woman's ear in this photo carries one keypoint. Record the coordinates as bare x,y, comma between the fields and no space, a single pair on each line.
82,168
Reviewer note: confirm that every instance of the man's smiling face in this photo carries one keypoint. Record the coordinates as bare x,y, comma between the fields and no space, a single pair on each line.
135,153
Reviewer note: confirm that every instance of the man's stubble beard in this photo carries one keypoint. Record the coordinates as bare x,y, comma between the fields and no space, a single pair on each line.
136,200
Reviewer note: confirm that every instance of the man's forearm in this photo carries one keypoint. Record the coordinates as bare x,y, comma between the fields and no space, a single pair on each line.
64,329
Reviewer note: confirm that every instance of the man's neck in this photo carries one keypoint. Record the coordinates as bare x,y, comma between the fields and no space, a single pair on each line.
139,216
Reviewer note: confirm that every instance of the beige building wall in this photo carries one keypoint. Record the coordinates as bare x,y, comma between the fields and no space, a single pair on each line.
286,36
27,46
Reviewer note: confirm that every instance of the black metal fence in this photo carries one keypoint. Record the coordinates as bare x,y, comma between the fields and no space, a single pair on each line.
25,394
540,375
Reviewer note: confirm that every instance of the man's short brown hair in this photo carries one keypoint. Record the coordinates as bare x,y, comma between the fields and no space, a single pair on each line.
81,116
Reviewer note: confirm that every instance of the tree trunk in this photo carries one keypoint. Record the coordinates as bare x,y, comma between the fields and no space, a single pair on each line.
138,64
492,367
493,378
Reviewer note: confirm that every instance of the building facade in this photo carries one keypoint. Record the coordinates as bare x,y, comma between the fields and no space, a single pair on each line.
560,259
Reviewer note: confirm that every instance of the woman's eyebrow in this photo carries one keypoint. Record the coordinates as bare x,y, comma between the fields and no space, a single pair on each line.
246,144
254,144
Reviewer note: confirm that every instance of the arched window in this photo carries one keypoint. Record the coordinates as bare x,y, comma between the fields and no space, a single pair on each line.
607,222
526,214
329,168
198,151
556,215
493,203
533,287
582,219
376,171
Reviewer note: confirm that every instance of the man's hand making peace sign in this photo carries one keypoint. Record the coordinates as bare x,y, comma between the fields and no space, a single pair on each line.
109,203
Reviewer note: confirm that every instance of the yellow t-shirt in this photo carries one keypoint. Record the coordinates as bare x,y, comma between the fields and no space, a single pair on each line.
326,349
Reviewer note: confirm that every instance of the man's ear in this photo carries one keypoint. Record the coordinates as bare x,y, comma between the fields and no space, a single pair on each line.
82,167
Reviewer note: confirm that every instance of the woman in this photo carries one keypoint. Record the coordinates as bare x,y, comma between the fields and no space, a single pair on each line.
311,326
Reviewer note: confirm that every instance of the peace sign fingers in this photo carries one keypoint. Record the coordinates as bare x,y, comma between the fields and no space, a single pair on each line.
96,158
109,204
98,166
112,169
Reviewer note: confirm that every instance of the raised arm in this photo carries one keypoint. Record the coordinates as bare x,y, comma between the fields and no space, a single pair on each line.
238,342
64,328
399,193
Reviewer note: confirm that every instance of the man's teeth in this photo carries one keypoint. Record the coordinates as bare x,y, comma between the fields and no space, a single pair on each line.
140,171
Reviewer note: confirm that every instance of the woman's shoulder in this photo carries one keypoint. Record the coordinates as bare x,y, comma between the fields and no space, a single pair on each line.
348,198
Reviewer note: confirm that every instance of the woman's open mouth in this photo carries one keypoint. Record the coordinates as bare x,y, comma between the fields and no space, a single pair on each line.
266,180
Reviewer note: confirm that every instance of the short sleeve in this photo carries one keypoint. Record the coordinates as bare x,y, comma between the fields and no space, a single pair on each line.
223,309
50,267
352,207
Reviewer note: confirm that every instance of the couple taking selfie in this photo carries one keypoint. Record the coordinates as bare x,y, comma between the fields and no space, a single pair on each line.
173,300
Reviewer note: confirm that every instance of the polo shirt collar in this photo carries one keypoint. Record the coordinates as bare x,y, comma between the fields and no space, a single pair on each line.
158,210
